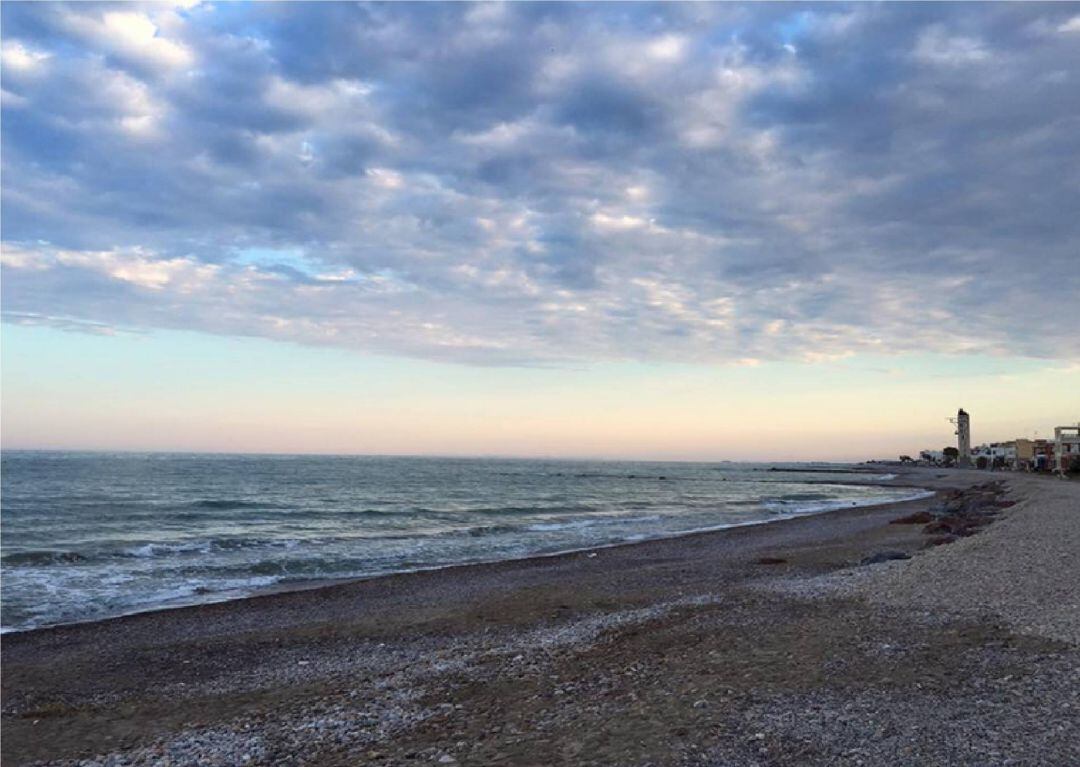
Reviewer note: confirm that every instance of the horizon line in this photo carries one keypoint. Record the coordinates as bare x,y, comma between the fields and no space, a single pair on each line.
440,456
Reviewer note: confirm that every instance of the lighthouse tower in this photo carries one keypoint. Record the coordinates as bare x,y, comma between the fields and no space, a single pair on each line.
963,439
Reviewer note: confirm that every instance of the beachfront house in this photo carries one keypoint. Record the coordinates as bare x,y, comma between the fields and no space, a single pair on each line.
1021,454
1042,455
996,455
1066,446
1025,454
932,457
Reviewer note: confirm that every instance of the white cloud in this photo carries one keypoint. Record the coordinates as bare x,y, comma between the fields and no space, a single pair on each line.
385,178
14,257
937,47
711,116
132,36
339,98
668,48
502,135
20,58
1071,26
139,112
617,222
11,100
136,267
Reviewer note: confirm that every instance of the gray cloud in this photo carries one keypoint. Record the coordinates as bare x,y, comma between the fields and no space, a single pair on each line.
536,184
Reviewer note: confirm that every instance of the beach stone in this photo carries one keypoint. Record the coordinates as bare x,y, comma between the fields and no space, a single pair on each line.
938,527
884,556
918,518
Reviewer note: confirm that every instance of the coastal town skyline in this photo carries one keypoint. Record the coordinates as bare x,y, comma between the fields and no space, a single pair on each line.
1058,453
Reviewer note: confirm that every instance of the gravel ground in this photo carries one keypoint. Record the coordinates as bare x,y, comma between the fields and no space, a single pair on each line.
687,652
1023,570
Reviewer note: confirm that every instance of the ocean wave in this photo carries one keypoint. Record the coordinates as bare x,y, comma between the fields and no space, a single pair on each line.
512,510
148,550
225,504
44,557
790,498
274,512
485,530
207,546
296,567
166,549
593,475
577,524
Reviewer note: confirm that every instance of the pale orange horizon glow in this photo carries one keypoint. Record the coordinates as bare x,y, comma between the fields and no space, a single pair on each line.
266,397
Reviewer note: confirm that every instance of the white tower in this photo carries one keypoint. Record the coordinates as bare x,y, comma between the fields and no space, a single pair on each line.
963,438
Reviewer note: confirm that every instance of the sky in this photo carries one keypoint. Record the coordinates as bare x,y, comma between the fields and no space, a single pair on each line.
684,231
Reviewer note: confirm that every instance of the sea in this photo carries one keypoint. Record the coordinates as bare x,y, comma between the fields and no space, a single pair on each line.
87,535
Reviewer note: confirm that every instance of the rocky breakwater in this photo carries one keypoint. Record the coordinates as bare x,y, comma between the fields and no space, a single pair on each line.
959,513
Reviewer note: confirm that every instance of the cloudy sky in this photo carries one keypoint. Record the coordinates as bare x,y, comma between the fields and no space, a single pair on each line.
702,231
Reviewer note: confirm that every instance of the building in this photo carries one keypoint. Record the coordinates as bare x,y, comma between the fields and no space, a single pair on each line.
1066,446
1025,454
1019,454
998,455
932,457
1042,455
963,439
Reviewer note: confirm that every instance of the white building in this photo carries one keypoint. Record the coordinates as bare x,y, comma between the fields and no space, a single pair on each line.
1066,446
932,456
1004,453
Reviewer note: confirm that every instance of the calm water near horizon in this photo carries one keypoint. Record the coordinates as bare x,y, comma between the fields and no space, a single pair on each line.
88,535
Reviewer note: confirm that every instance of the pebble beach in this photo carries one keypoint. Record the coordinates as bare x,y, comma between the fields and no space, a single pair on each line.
938,631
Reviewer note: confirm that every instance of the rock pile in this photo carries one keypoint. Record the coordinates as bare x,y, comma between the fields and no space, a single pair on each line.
960,513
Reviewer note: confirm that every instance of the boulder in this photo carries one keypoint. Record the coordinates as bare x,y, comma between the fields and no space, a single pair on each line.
918,518
884,556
